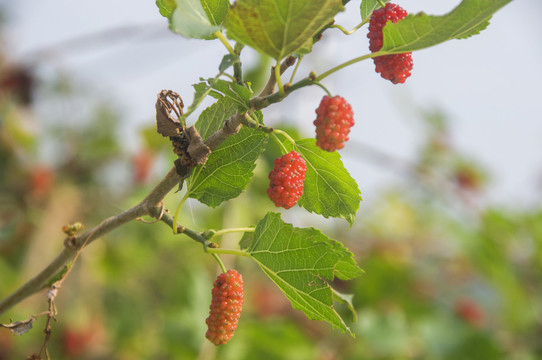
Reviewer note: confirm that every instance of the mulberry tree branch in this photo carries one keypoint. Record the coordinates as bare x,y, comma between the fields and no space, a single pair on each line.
148,205
270,86
169,220
145,207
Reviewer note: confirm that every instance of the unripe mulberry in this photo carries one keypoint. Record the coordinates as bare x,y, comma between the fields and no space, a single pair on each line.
286,180
225,308
396,67
334,118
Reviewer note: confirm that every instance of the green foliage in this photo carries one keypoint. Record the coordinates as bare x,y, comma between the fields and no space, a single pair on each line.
329,189
166,7
191,20
420,31
202,89
399,243
279,27
212,118
368,6
230,167
216,10
301,261
347,299
238,94
227,61
234,94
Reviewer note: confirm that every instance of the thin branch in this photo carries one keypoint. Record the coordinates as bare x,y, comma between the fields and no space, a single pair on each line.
259,103
67,254
145,207
181,229
36,283
230,127
270,86
234,230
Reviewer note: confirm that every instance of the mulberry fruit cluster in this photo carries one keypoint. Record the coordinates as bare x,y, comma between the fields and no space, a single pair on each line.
396,67
225,308
286,180
334,118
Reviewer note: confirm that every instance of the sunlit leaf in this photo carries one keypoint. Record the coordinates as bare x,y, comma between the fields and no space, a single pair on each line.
216,10
329,190
212,118
301,261
279,27
420,31
166,7
229,168
238,94
190,20
368,6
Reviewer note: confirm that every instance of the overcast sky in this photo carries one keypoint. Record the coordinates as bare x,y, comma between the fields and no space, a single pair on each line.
490,86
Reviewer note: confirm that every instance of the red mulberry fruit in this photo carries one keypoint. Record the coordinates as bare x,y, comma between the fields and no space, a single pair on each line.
225,308
333,122
396,67
286,185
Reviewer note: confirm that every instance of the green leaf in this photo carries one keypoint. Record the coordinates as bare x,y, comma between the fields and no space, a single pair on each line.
246,239
368,6
219,89
166,7
346,299
202,89
212,118
420,31
216,10
229,168
227,61
301,261
239,94
346,267
305,49
279,27
329,190
190,20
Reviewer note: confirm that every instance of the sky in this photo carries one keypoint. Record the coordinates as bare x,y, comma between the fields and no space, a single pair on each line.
489,86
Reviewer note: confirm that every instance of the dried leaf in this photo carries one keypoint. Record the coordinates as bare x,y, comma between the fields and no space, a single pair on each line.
20,327
168,101
187,142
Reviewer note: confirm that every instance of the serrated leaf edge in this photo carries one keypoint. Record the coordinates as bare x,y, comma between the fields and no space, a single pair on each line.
349,217
314,312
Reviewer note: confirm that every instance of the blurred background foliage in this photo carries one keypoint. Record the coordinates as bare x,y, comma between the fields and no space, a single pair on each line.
448,276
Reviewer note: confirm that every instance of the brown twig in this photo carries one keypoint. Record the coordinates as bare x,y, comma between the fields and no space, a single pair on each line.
51,313
231,126
270,86
69,252
145,207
